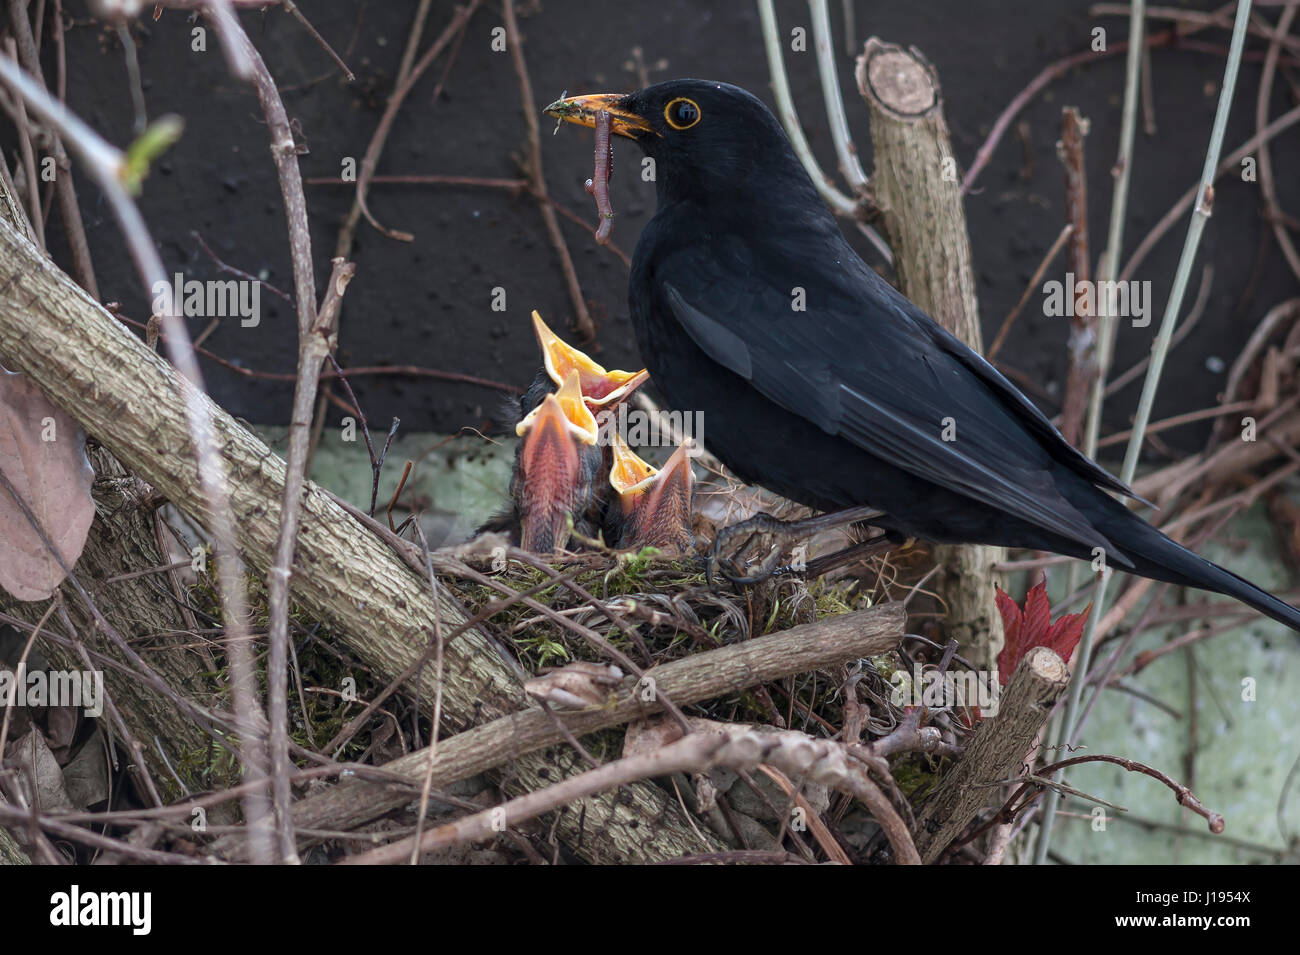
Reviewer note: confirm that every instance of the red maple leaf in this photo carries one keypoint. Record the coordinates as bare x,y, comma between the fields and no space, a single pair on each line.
1032,627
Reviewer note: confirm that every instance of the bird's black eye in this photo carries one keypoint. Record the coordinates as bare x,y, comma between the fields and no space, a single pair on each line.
682,113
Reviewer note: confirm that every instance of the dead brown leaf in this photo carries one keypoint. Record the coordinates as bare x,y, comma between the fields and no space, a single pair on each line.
43,455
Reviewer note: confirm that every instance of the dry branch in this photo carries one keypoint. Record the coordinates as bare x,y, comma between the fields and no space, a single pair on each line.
106,164
1276,430
134,403
917,191
64,184
995,752
316,335
711,744
1083,325
690,680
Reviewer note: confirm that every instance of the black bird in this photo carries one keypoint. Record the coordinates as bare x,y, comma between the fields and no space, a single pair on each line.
820,381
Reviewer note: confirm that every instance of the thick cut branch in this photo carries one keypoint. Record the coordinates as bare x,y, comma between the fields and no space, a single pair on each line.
917,192
994,753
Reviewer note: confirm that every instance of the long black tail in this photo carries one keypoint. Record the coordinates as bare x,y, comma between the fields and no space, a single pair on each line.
1155,555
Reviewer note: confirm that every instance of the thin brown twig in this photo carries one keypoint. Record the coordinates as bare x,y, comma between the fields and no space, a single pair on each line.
1053,72
315,331
297,14
22,660
64,185
426,786
1045,77
137,750
491,609
223,266
413,371
1196,18
376,460
137,767
1194,316
10,815
1082,347
313,347
590,635
484,182
738,747
1175,421
1267,184
408,72
1030,288
18,110
582,323
407,77
1186,798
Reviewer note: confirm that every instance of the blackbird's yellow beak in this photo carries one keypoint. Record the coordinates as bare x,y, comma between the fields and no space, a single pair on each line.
600,388
582,110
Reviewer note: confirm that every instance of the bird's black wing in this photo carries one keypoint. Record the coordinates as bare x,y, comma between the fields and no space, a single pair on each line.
862,362
1030,413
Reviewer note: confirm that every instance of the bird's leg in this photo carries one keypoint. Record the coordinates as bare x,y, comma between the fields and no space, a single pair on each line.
828,562
783,531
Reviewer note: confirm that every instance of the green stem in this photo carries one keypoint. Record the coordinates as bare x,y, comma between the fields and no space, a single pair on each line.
1159,350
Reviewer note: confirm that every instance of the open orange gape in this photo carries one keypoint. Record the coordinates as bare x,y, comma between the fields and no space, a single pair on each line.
600,388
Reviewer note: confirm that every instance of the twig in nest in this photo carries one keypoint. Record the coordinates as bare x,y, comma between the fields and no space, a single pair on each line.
714,744
591,635
909,737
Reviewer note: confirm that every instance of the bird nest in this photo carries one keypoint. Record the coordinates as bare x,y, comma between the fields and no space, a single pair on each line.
550,613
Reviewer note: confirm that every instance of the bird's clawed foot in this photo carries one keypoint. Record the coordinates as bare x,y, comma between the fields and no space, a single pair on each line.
782,532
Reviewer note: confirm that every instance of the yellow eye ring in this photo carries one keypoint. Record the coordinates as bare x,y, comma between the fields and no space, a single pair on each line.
682,113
